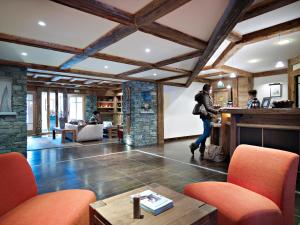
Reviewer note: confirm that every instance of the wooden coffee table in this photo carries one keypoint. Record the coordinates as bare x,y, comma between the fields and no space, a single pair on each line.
63,134
118,210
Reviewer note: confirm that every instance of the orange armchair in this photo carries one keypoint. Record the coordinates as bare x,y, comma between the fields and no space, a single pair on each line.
260,188
21,205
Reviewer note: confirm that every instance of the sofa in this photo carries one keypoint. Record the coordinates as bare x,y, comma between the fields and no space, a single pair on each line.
260,188
88,132
20,203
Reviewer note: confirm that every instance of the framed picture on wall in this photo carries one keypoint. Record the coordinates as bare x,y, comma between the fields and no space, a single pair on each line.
5,95
275,90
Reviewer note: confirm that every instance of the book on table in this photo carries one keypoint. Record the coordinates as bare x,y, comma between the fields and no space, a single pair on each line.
153,202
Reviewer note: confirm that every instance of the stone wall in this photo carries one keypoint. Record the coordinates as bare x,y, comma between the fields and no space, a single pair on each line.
13,129
140,126
90,105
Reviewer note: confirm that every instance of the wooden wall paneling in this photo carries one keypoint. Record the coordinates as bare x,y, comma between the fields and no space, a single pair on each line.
243,88
160,113
235,95
38,109
292,79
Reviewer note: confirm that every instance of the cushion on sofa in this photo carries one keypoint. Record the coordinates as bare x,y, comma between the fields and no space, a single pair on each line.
49,209
236,205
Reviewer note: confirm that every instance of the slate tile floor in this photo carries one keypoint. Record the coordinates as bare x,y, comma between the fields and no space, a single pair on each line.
111,169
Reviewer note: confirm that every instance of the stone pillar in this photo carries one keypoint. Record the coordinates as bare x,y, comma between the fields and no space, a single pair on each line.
13,128
90,105
140,113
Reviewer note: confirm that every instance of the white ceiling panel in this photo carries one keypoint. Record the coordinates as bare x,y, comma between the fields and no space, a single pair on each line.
209,71
263,55
133,47
64,25
197,18
186,64
74,75
269,19
103,66
218,77
155,74
131,6
14,52
217,53
179,81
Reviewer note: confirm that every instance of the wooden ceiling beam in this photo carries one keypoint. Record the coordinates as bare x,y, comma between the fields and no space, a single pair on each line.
108,39
146,15
173,78
265,7
179,58
271,32
156,9
256,36
161,64
238,72
100,9
64,82
67,49
210,75
71,71
234,37
151,11
270,73
233,12
173,35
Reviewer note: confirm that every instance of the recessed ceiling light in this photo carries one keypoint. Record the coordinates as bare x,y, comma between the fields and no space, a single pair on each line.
279,64
220,75
253,60
42,23
232,75
24,54
283,42
154,74
106,67
147,50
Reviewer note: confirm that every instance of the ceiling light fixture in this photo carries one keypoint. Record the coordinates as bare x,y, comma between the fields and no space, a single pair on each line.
283,42
154,74
253,60
147,50
279,64
42,23
24,54
220,84
232,75
106,67
228,86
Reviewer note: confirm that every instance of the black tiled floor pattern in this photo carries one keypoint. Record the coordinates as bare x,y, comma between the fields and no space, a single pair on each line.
114,168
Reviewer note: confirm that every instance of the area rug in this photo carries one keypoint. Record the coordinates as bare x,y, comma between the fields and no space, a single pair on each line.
47,142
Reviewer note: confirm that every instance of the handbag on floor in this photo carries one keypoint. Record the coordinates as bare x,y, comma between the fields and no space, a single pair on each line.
214,153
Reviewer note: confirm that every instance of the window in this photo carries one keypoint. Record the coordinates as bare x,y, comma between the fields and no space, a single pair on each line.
29,116
75,107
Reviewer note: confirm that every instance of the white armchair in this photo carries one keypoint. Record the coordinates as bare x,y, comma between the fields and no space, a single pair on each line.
87,133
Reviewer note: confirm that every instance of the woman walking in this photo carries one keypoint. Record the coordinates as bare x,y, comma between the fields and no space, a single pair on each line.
204,98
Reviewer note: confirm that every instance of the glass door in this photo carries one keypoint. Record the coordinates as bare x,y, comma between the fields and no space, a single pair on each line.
75,107
52,111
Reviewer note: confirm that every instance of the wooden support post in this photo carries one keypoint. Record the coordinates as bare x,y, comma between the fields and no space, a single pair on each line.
160,113
56,108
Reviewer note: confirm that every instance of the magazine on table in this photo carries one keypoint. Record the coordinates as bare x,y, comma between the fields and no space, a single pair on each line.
153,202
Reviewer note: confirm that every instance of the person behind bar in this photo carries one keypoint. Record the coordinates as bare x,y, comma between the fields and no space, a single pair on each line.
253,102
204,98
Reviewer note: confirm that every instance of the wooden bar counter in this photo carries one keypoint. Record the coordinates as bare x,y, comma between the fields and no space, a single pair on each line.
274,128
